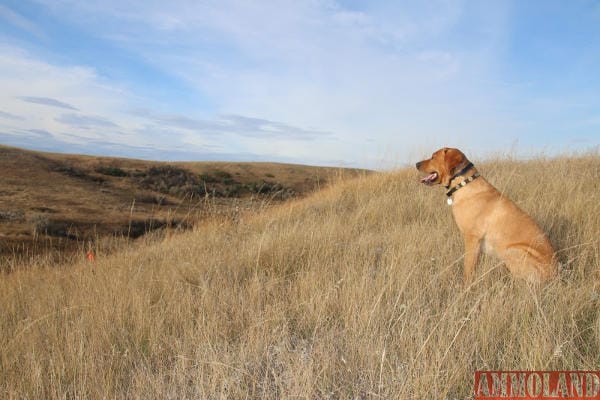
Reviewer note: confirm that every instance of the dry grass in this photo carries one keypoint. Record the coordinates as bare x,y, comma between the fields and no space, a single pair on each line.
354,292
53,205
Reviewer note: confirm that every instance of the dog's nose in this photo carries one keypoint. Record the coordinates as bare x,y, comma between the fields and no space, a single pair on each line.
418,164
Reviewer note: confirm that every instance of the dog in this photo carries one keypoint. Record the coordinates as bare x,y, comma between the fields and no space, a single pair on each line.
489,221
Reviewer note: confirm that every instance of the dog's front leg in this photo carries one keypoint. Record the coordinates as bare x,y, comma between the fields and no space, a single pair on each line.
472,249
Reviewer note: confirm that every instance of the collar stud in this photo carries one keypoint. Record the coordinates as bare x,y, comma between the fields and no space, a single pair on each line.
464,183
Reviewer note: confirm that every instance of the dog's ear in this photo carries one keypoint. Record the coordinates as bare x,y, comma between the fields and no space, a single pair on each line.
455,160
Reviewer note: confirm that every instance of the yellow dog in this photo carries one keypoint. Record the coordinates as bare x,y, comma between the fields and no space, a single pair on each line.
489,221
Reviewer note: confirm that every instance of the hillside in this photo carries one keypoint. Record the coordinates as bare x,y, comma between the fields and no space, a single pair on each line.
56,203
352,292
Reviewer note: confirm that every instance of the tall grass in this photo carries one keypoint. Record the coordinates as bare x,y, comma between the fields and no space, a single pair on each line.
354,292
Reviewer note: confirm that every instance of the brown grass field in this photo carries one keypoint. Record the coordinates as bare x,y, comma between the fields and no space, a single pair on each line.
351,293
59,206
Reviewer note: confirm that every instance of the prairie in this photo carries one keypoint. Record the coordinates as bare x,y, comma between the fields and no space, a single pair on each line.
352,292
54,207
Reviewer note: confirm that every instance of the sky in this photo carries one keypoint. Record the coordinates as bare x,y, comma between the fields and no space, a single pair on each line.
373,84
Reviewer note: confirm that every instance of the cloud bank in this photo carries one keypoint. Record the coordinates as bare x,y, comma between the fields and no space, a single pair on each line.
326,82
47,102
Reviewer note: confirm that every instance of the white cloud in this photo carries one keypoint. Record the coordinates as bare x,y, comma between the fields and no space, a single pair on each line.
85,121
48,102
316,80
104,112
9,116
40,92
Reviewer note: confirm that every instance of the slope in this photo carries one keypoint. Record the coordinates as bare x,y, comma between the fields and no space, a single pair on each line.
353,292
60,203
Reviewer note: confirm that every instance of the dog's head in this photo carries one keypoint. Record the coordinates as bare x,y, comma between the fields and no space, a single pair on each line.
442,166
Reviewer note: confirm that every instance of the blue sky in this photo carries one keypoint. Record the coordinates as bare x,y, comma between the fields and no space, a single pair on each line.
373,83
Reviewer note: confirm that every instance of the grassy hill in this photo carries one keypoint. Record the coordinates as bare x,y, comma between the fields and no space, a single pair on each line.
56,204
352,292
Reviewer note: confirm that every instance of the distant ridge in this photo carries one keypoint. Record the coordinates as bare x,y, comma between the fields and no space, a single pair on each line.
62,200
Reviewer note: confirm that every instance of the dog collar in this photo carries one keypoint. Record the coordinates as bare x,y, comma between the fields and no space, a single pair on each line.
459,173
464,183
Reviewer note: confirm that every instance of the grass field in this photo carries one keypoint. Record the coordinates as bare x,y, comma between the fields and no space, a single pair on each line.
353,292
55,206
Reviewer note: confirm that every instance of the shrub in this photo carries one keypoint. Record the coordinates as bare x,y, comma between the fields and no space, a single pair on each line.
208,178
11,216
111,171
70,170
171,180
264,187
233,190
223,175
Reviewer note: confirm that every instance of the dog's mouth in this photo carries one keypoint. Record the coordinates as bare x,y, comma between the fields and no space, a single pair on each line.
429,179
